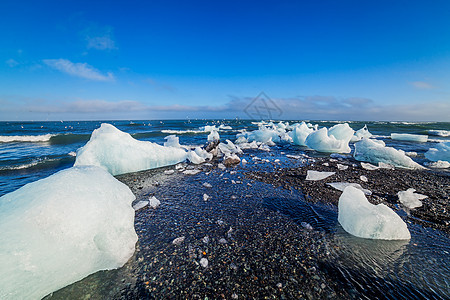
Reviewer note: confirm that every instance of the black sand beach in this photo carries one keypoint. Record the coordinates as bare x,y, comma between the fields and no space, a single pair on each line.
269,234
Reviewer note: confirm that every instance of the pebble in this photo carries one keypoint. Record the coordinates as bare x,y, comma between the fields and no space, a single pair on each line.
169,172
363,178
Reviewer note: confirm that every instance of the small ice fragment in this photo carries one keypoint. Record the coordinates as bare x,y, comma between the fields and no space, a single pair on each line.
191,172
223,241
383,165
316,175
233,182
279,285
139,205
410,199
363,178
219,222
205,240
411,154
179,166
369,167
307,226
342,167
204,262
244,161
178,240
206,197
154,203
221,166
229,232
326,164
169,172
409,137
234,296
207,185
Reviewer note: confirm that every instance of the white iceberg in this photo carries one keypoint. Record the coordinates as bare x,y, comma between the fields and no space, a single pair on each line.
340,186
409,137
342,132
213,136
375,152
316,175
300,133
58,230
410,199
362,219
360,134
262,135
229,148
440,151
319,140
119,153
172,141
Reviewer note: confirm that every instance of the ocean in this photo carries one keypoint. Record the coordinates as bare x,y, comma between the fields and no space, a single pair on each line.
280,240
30,151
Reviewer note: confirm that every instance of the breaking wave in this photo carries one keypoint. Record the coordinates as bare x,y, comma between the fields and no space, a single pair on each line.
25,138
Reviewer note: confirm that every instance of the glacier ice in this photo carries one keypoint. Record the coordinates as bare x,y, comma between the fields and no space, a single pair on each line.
409,137
317,175
376,152
213,136
154,202
410,199
360,134
362,219
342,132
300,133
119,153
319,140
141,204
58,230
440,151
440,164
172,141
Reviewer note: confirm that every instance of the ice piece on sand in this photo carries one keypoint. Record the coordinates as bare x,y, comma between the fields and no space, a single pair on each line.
178,240
119,153
369,167
316,175
204,262
154,203
221,166
409,137
207,185
410,199
191,172
169,172
206,197
440,164
375,151
58,230
140,205
320,141
306,225
363,219
342,167
440,151
300,133
340,186
363,178
213,136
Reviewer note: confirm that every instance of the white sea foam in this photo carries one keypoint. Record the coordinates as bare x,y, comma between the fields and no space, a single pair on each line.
25,138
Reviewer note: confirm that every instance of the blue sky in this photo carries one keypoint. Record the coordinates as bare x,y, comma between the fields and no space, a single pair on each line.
339,60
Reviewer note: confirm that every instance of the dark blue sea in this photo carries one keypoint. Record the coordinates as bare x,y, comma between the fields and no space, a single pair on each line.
33,150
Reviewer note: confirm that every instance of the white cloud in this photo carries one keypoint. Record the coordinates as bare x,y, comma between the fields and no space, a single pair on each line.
82,70
422,85
11,63
101,43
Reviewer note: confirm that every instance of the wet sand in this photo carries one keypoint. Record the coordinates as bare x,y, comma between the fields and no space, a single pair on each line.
266,234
